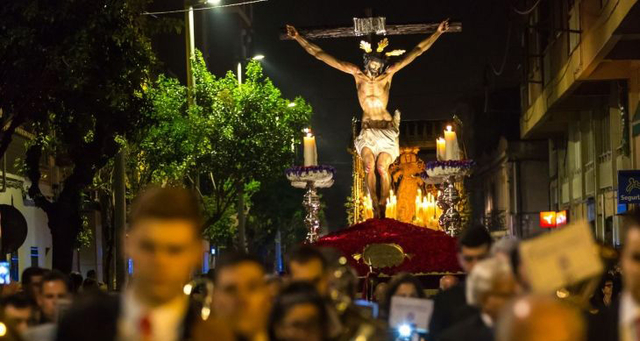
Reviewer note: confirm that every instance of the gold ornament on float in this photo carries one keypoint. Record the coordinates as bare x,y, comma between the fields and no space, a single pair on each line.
380,256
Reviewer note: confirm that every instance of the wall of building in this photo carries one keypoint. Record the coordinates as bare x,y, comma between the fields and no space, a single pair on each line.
36,249
514,182
584,161
534,196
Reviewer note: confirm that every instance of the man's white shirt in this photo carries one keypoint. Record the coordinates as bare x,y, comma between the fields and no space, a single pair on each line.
166,320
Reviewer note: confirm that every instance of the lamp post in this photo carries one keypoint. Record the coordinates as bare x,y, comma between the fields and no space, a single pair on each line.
240,188
189,39
257,57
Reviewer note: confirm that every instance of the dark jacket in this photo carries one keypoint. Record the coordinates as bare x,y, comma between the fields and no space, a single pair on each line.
473,328
449,307
603,326
95,318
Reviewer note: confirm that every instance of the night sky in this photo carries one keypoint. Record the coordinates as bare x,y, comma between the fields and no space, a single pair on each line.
447,79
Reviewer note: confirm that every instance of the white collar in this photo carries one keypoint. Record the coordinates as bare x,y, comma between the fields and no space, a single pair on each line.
629,309
166,319
487,320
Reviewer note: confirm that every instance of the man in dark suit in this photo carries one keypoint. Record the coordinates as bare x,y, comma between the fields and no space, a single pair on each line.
622,320
490,286
450,306
165,244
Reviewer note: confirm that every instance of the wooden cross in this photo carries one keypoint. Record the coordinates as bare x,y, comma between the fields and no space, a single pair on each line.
368,27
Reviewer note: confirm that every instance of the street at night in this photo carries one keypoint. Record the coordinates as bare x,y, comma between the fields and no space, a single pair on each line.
304,170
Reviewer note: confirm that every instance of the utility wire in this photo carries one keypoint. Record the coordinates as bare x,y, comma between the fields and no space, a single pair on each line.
527,12
504,58
204,8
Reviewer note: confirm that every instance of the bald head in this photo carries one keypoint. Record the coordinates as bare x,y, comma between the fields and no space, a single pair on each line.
447,282
536,318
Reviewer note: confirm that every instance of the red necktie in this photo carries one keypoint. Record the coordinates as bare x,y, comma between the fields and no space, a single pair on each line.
637,325
145,328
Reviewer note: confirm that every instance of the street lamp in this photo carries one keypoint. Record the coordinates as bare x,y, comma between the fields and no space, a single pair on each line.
257,57
190,42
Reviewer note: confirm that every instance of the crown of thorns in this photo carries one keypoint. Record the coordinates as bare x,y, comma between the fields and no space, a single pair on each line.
382,44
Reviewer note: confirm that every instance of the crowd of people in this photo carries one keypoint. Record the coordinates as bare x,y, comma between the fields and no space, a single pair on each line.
319,298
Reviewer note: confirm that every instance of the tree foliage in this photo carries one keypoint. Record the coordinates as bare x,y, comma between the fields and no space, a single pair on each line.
236,136
74,71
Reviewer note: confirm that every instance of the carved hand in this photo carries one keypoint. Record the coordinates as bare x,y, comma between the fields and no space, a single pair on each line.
292,32
444,26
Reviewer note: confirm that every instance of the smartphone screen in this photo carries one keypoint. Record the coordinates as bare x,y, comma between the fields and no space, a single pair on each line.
5,274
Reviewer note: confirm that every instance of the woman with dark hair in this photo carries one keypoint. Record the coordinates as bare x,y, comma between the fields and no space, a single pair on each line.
403,285
299,314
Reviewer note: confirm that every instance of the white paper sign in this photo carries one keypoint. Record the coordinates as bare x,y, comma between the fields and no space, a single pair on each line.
411,311
561,258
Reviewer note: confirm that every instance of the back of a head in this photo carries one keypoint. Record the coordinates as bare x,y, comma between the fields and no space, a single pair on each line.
540,318
76,279
232,259
475,236
92,274
505,246
90,285
31,272
484,275
304,254
167,203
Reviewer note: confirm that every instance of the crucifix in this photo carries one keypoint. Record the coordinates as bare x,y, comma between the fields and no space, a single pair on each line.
378,142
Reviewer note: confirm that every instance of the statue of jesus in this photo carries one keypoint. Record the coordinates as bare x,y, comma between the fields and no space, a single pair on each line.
378,143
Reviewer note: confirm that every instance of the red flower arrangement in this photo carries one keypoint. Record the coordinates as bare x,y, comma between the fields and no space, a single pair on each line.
428,251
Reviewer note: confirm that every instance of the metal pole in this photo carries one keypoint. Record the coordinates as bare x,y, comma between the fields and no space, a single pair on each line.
191,53
120,209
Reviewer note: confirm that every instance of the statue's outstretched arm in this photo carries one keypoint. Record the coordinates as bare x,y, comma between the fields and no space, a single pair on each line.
317,52
420,49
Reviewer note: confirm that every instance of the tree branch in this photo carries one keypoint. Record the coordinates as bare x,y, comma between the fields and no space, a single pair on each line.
32,162
7,135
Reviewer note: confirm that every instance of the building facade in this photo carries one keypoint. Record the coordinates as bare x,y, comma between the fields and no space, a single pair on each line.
36,249
580,92
510,188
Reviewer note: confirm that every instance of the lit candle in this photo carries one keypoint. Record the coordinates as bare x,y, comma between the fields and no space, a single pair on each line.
417,209
424,211
368,207
428,209
394,200
310,151
387,210
440,144
451,144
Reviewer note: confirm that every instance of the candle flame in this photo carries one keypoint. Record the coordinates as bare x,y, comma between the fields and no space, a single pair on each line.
449,128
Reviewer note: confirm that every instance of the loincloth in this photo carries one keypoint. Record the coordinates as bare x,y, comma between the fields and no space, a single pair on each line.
379,137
